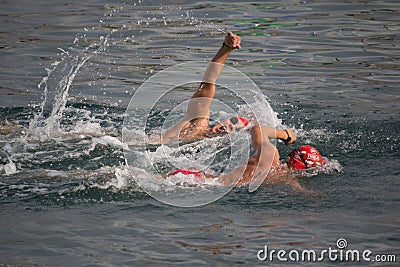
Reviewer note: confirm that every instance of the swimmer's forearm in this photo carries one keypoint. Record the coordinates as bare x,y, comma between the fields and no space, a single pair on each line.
222,55
273,133
214,69
281,134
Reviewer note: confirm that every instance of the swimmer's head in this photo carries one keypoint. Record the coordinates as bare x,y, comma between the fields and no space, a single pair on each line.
230,125
305,157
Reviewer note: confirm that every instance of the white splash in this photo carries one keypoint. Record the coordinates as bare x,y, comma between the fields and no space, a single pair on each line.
10,168
56,86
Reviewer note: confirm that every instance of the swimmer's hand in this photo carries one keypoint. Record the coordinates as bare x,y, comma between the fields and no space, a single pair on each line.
291,137
232,41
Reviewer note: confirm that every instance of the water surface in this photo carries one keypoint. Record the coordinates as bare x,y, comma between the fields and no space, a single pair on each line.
329,70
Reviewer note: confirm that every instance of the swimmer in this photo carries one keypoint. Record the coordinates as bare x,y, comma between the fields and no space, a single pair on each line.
195,124
266,160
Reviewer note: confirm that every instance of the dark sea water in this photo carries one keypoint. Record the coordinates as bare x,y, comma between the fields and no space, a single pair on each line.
329,69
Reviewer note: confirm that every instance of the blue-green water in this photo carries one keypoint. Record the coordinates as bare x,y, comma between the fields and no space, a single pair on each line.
329,70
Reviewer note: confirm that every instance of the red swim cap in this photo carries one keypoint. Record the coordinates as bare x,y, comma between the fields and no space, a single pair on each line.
186,172
305,157
243,120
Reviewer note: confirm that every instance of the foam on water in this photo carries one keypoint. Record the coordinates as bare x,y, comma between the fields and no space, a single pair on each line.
92,128
9,168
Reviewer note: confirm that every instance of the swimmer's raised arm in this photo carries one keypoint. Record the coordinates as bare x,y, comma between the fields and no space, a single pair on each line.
199,105
198,111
